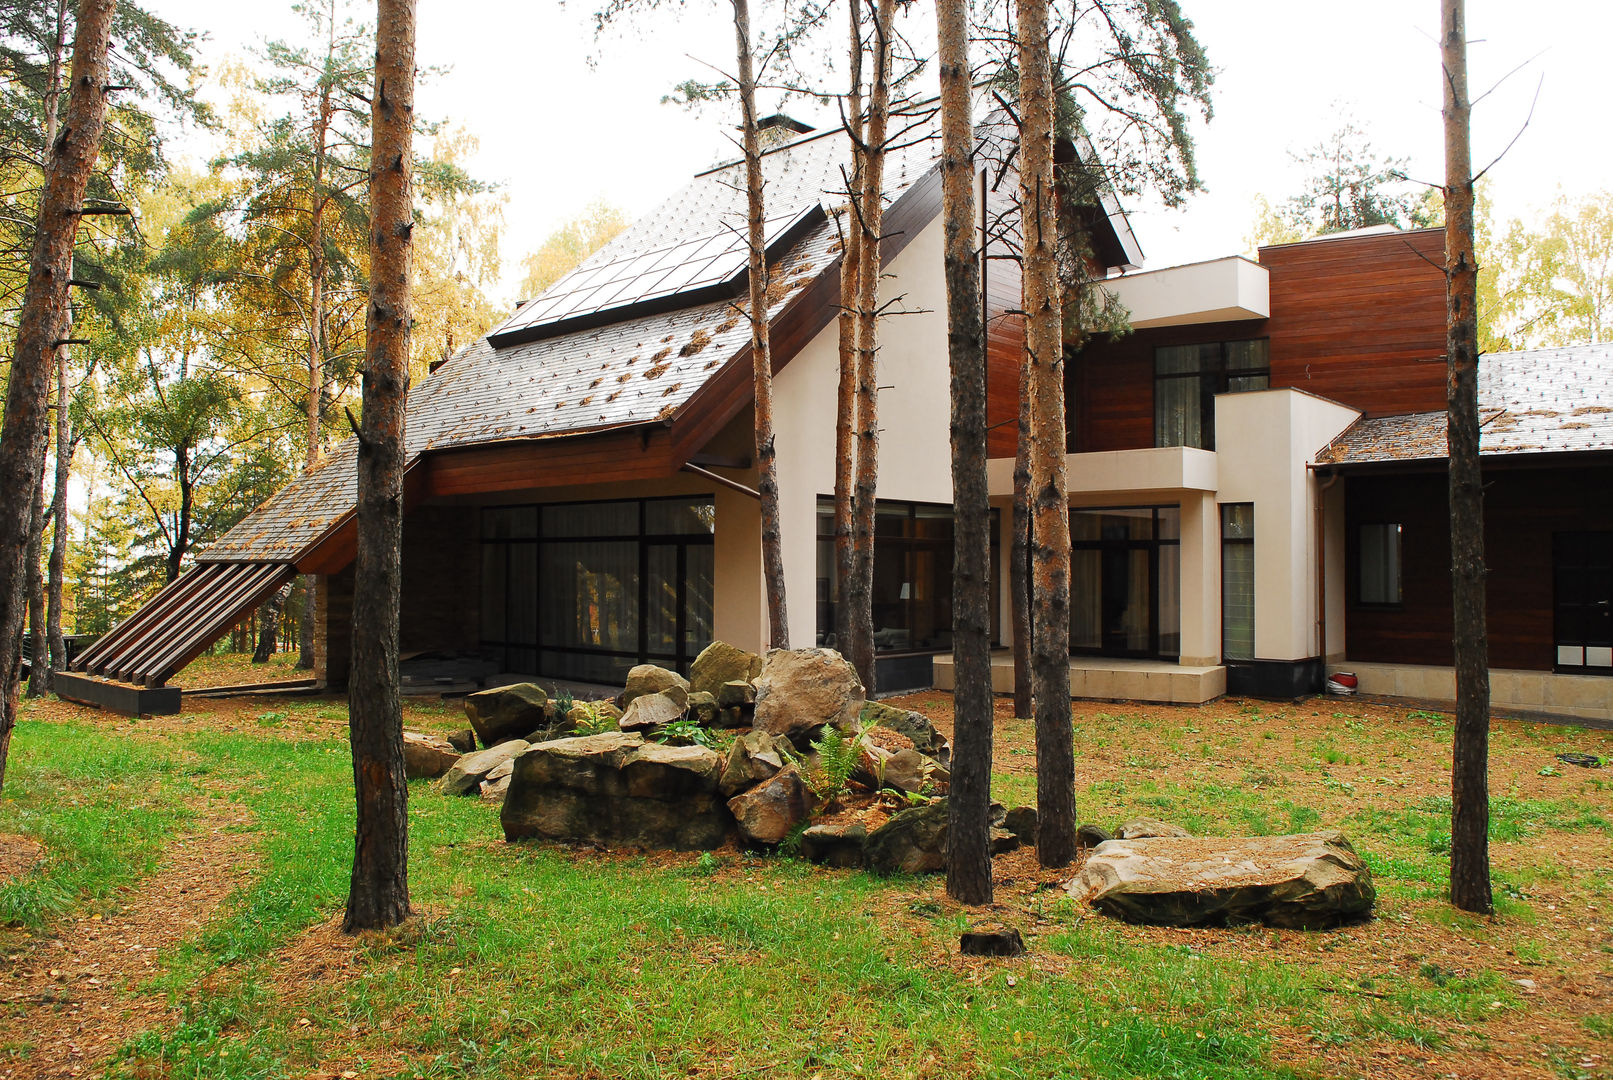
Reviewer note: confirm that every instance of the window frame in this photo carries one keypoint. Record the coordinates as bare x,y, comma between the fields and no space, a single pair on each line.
1361,601
1242,541
1220,371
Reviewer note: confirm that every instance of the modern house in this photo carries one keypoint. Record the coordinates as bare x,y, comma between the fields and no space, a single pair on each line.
1255,474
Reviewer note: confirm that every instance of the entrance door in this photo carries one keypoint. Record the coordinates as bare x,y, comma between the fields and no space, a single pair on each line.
1583,565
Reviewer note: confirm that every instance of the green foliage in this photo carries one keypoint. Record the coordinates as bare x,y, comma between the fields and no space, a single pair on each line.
1347,185
837,760
684,732
563,701
1547,282
569,245
594,720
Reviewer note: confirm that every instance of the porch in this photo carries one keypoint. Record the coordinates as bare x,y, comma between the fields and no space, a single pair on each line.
1106,678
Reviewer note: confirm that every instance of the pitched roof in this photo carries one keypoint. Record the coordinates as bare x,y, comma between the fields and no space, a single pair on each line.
1541,401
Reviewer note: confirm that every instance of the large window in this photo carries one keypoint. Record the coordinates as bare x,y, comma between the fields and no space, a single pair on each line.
1187,378
1238,581
912,599
1582,563
1126,581
1379,578
587,590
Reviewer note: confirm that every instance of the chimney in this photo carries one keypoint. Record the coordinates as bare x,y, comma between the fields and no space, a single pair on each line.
778,129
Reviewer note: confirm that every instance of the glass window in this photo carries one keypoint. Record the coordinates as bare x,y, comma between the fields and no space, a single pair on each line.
1380,563
591,519
1187,378
509,523
679,517
1238,581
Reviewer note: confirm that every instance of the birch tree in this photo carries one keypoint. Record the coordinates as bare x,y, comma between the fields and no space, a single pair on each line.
378,896
42,327
1470,796
969,805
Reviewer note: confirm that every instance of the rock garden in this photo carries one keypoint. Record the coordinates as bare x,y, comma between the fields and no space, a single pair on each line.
785,753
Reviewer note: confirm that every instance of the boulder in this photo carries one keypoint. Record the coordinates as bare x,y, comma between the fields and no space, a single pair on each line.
616,789
508,712
736,693
720,663
703,708
835,845
1304,881
649,679
650,711
801,690
754,757
463,740
1002,841
905,770
912,842
768,812
427,756
1144,828
916,726
467,774
1090,836
1021,821
993,939
497,782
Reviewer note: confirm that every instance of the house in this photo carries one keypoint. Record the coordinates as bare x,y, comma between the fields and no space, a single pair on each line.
1254,494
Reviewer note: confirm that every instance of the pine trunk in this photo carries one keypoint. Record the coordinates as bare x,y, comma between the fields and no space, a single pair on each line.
1470,797
39,662
870,220
1044,348
379,894
846,324
1019,557
59,526
41,324
778,623
969,803
269,625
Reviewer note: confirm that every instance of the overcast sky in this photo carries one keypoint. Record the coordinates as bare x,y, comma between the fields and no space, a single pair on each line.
557,132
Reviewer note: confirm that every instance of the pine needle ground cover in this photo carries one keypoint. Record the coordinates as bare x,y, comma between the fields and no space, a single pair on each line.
530,960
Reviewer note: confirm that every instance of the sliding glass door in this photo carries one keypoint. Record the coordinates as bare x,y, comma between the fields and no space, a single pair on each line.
586,590
1125,581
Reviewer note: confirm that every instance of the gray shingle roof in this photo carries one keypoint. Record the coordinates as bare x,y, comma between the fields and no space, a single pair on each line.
637,371
1541,401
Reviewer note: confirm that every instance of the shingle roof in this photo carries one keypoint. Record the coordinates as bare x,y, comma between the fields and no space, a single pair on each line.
637,371
1541,401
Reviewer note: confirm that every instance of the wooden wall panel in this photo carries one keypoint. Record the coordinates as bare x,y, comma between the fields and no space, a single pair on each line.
1523,508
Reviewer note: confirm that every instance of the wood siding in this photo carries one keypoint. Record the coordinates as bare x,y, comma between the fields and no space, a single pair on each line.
1359,320
1523,508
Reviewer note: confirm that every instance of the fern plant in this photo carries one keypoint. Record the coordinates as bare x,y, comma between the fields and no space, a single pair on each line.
837,760
593,721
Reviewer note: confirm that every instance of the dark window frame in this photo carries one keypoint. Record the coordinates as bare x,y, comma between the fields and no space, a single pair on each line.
1213,380
1559,540
1360,567
1240,541
1152,545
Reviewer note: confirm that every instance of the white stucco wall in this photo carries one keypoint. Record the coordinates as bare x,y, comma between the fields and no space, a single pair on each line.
915,460
1264,440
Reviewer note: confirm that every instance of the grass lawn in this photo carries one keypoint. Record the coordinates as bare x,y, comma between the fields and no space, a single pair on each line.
542,961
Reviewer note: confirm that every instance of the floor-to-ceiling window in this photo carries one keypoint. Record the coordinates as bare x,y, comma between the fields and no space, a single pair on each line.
1582,565
586,590
1187,378
1238,581
912,598
1125,581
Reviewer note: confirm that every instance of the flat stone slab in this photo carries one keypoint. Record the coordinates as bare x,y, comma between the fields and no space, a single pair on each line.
1303,881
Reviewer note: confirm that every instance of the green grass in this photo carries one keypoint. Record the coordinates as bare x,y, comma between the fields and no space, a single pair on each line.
534,960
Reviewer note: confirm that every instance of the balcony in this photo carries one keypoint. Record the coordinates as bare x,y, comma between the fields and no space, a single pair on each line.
1220,290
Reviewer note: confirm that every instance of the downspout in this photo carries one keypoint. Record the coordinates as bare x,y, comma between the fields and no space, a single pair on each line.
1321,565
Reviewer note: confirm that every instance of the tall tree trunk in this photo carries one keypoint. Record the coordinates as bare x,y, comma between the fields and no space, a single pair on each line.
41,325
870,220
187,505
317,267
1044,353
1470,796
969,805
1019,557
39,662
778,622
379,893
269,624
65,445
846,389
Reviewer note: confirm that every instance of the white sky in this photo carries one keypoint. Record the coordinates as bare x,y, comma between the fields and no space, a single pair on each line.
556,133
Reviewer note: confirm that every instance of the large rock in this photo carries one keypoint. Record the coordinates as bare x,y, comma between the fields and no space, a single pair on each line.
467,774
649,712
649,679
508,712
497,782
916,726
801,690
616,789
912,842
736,694
754,757
720,663
427,756
1146,828
769,811
703,708
1304,881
